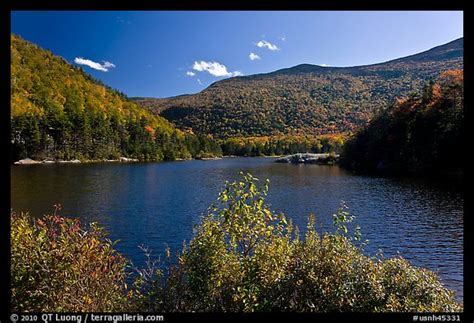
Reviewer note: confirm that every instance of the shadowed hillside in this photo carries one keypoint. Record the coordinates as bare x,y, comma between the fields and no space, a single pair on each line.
418,135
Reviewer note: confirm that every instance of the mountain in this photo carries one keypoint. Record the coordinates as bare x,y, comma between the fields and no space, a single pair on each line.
304,98
60,112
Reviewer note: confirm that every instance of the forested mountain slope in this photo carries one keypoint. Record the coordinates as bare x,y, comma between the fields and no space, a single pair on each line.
418,135
305,98
60,112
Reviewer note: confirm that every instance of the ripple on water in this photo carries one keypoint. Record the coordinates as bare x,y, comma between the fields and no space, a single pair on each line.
157,204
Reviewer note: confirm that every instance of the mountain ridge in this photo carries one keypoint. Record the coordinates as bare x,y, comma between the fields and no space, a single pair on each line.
304,97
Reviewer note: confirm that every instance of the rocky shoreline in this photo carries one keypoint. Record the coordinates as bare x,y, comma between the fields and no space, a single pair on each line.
307,158
209,158
300,158
29,161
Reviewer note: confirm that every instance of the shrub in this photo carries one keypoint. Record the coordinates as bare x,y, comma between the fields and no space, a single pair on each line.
244,257
58,266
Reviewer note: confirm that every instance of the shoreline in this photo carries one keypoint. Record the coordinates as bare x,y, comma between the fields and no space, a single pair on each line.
29,161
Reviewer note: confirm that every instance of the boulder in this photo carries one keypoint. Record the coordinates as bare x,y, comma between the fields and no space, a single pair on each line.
126,160
307,158
27,161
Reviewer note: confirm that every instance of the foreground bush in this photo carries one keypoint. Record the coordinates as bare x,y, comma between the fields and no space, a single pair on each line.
58,266
243,258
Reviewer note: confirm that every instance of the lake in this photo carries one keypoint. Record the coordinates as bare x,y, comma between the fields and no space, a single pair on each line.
157,204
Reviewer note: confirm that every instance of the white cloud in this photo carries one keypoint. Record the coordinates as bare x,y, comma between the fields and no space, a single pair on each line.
189,73
199,81
283,38
253,56
97,66
214,68
324,65
108,64
264,43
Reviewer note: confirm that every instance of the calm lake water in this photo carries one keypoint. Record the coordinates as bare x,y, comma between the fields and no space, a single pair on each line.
157,204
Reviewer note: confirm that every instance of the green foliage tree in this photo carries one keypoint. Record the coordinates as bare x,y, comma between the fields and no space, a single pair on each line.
279,145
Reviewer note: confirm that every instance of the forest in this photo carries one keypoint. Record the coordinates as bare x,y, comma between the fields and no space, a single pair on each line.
282,145
304,99
420,134
60,112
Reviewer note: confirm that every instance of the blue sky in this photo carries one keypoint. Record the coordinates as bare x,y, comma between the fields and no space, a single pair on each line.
161,54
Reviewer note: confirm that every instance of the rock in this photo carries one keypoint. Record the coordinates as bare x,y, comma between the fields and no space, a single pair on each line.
126,160
307,158
27,161
73,161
